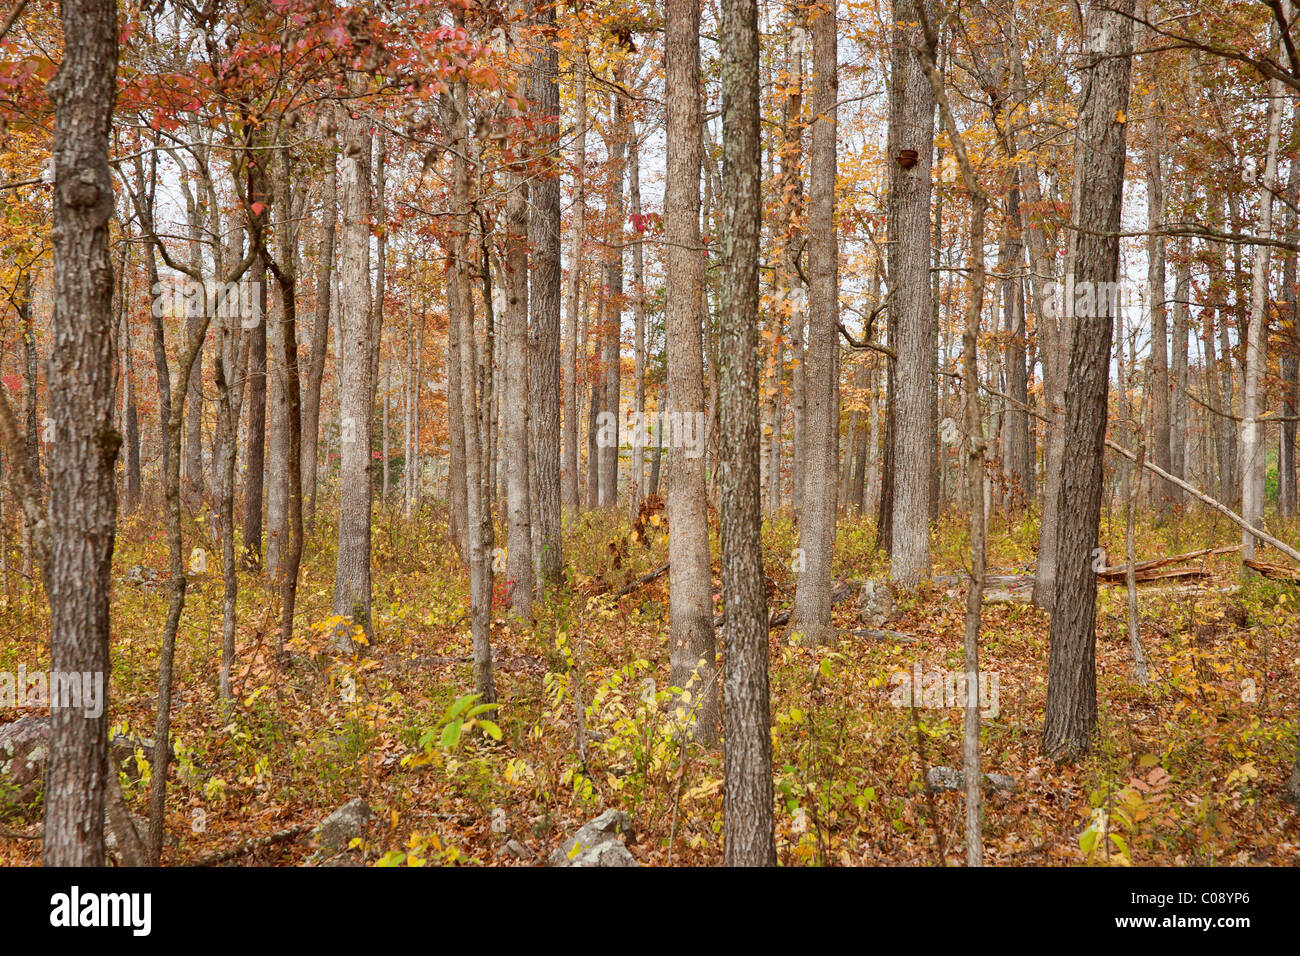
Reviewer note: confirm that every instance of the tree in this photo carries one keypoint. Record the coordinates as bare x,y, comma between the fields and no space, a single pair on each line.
911,331
83,498
356,389
1092,266
690,638
748,827
544,303
822,415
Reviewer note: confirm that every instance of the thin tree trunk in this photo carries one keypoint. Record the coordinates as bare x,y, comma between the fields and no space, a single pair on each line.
320,333
1252,430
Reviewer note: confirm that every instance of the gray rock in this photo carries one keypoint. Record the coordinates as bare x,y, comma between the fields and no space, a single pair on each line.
943,778
1000,781
24,745
139,576
613,853
875,604
342,826
939,779
512,850
598,843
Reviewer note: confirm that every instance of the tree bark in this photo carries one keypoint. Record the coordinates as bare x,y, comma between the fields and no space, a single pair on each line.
544,306
83,499
911,127
821,430
1071,715
692,658
356,389
749,836
320,332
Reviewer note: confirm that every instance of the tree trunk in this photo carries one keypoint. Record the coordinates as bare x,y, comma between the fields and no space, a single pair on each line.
821,430
749,837
544,306
1071,716
1158,383
320,333
1252,430
911,127
519,557
611,328
572,414
478,489
356,389
83,500
692,660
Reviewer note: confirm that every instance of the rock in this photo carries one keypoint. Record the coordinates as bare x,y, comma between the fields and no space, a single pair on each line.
1000,781
598,843
942,778
875,604
24,745
337,831
512,850
613,853
939,779
138,576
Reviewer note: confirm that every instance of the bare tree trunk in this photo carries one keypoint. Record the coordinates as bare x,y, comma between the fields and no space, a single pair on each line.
1178,417
572,414
636,473
519,557
544,306
748,817
478,489
1286,462
356,388
83,500
1252,430
320,332
692,659
1158,384
286,275
255,437
911,128
611,329
817,522
1071,716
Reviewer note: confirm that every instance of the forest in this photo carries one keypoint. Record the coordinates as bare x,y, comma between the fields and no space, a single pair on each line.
591,433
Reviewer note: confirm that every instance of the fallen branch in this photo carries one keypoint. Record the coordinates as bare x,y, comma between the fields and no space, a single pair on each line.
642,581
1163,562
248,846
1192,490
1275,571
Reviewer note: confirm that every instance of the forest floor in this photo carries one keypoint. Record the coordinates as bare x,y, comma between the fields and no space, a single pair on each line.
1187,770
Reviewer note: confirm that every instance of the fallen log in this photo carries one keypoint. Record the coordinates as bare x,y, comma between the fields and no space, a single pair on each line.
1275,571
1119,571
1169,574
257,843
